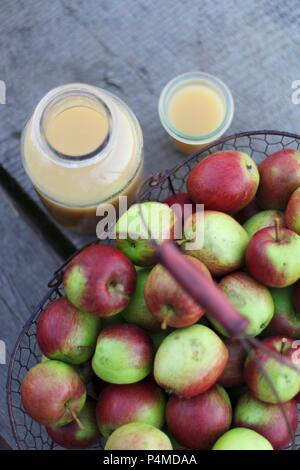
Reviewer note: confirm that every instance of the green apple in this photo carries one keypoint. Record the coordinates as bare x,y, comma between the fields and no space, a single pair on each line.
262,220
190,360
225,241
138,436
286,319
123,354
140,225
137,311
269,378
252,300
242,439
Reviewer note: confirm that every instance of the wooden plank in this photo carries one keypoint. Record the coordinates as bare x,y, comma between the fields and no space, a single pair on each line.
27,263
134,50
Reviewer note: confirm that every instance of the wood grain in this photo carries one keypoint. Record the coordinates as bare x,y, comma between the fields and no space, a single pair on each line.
27,263
133,48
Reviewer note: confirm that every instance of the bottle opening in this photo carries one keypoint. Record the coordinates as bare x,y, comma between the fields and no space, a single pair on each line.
76,126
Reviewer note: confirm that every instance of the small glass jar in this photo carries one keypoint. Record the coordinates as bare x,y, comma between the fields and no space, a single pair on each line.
73,186
185,142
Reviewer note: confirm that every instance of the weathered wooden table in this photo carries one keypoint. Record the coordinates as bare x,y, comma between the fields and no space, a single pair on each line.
131,48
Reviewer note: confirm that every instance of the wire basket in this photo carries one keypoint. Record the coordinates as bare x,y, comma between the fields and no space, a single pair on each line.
31,435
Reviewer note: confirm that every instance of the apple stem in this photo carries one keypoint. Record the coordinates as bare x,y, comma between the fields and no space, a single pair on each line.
277,227
75,417
164,324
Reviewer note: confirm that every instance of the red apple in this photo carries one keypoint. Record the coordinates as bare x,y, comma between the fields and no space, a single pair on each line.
52,393
67,334
279,177
273,256
71,436
197,422
292,213
166,299
269,420
225,181
233,374
190,360
123,355
141,402
99,280
285,380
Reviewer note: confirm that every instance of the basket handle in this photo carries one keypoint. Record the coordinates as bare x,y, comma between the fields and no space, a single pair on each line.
201,289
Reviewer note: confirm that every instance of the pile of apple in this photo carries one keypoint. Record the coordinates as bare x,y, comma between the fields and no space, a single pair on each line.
159,371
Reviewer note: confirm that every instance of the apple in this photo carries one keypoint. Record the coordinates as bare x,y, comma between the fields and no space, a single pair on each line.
267,419
84,370
179,202
67,334
273,257
233,374
292,213
251,209
197,422
137,311
262,220
296,296
279,177
242,439
123,355
189,361
167,300
225,242
251,299
71,436
52,393
285,380
138,436
99,280
141,224
141,402
286,320
225,181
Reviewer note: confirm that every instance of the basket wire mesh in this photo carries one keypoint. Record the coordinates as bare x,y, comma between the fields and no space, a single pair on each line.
31,435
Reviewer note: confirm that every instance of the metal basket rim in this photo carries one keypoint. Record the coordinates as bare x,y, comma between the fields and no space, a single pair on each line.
161,177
